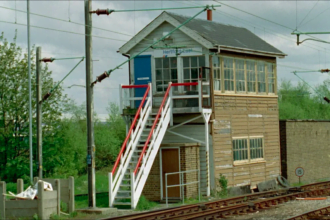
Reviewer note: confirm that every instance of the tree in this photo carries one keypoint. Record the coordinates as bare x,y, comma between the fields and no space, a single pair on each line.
14,110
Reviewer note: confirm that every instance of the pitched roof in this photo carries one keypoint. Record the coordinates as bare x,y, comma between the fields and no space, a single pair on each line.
226,35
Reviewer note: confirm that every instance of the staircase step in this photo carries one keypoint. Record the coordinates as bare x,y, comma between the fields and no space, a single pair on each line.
122,197
122,203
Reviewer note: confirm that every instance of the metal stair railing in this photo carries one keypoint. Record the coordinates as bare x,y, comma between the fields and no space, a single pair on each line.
155,137
132,138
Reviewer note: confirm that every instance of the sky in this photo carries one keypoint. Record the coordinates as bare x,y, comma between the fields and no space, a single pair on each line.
273,21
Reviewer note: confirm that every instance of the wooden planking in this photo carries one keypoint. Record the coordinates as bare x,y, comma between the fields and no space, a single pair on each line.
22,213
21,204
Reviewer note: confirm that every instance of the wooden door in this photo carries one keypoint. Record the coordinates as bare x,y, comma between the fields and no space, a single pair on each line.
170,164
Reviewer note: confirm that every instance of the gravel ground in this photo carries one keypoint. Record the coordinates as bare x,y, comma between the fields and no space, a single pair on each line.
285,210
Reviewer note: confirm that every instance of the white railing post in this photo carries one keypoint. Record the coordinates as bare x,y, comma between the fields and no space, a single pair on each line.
132,191
150,94
110,189
199,186
200,95
171,104
120,99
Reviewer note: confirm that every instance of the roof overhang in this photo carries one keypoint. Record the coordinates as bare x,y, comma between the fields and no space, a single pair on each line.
249,51
164,17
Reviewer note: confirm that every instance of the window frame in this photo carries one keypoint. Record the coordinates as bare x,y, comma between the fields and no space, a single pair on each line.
249,160
256,72
170,68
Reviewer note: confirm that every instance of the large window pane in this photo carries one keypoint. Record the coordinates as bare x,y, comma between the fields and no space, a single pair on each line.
191,70
240,149
256,148
271,78
228,74
166,71
216,73
251,76
240,76
261,77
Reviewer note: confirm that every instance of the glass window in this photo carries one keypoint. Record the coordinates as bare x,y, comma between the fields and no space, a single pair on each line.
166,71
240,76
256,148
261,77
240,149
216,73
228,74
191,69
251,76
271,78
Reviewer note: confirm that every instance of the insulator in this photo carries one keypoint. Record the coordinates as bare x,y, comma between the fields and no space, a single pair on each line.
46,96
102,76
326,99
46,60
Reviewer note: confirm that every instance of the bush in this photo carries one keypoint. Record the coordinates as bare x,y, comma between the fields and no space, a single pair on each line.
145,204
223,182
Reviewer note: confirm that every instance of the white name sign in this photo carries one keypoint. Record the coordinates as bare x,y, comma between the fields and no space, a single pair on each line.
173,52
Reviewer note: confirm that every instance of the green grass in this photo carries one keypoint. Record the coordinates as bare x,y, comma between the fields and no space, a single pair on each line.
145,204
102,200
101,182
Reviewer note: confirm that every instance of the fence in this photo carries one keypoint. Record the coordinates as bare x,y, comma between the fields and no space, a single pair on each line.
181,184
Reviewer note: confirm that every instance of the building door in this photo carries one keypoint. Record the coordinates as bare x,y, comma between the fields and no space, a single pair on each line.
142,75
170,164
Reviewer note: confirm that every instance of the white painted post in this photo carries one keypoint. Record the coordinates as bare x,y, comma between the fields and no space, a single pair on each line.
71,194
206,117
200,94
199,186
166,189
182,189
132,191
120,99
171,103
110,189
150,95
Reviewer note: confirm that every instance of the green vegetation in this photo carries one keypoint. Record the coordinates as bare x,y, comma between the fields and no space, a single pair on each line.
299,102
223,183
145,204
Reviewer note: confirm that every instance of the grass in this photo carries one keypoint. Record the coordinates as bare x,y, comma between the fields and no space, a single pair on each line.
101,182
145,204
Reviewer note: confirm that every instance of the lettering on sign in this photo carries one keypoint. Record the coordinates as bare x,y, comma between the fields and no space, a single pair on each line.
143,78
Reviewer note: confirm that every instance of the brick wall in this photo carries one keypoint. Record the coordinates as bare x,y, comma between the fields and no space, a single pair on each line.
151,189
307,146
190,161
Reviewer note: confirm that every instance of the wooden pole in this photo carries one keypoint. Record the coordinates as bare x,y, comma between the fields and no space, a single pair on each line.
89,105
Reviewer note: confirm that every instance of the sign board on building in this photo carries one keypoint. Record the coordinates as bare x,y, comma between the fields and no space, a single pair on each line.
299,171
173,52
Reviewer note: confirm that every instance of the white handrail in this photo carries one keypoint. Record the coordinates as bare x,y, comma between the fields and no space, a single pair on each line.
114,182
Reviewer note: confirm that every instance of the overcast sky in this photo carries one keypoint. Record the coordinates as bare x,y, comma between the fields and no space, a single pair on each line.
306,15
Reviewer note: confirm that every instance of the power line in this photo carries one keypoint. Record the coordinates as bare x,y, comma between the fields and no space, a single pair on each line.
70,32
262,18
59,19
315,16
263,28
308,13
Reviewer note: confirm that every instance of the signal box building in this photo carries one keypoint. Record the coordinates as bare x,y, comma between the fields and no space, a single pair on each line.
200,103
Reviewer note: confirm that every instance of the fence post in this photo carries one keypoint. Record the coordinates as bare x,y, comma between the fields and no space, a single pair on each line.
110,189
40,200
132,191
2,200
58,189
182,188
35,180
199,186
71,194
20,186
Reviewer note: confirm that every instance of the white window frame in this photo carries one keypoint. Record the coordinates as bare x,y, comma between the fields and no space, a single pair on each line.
249,160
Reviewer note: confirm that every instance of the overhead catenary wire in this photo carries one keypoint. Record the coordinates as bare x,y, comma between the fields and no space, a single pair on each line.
308,13
63,20
263,28
52,29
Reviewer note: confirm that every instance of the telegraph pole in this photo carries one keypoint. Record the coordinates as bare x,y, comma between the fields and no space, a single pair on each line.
89,106
39,110
30,98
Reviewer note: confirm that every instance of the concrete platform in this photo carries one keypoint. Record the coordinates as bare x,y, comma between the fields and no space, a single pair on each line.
99,211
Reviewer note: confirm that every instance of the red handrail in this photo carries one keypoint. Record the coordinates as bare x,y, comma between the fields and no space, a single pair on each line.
134,86
131,129
156,120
